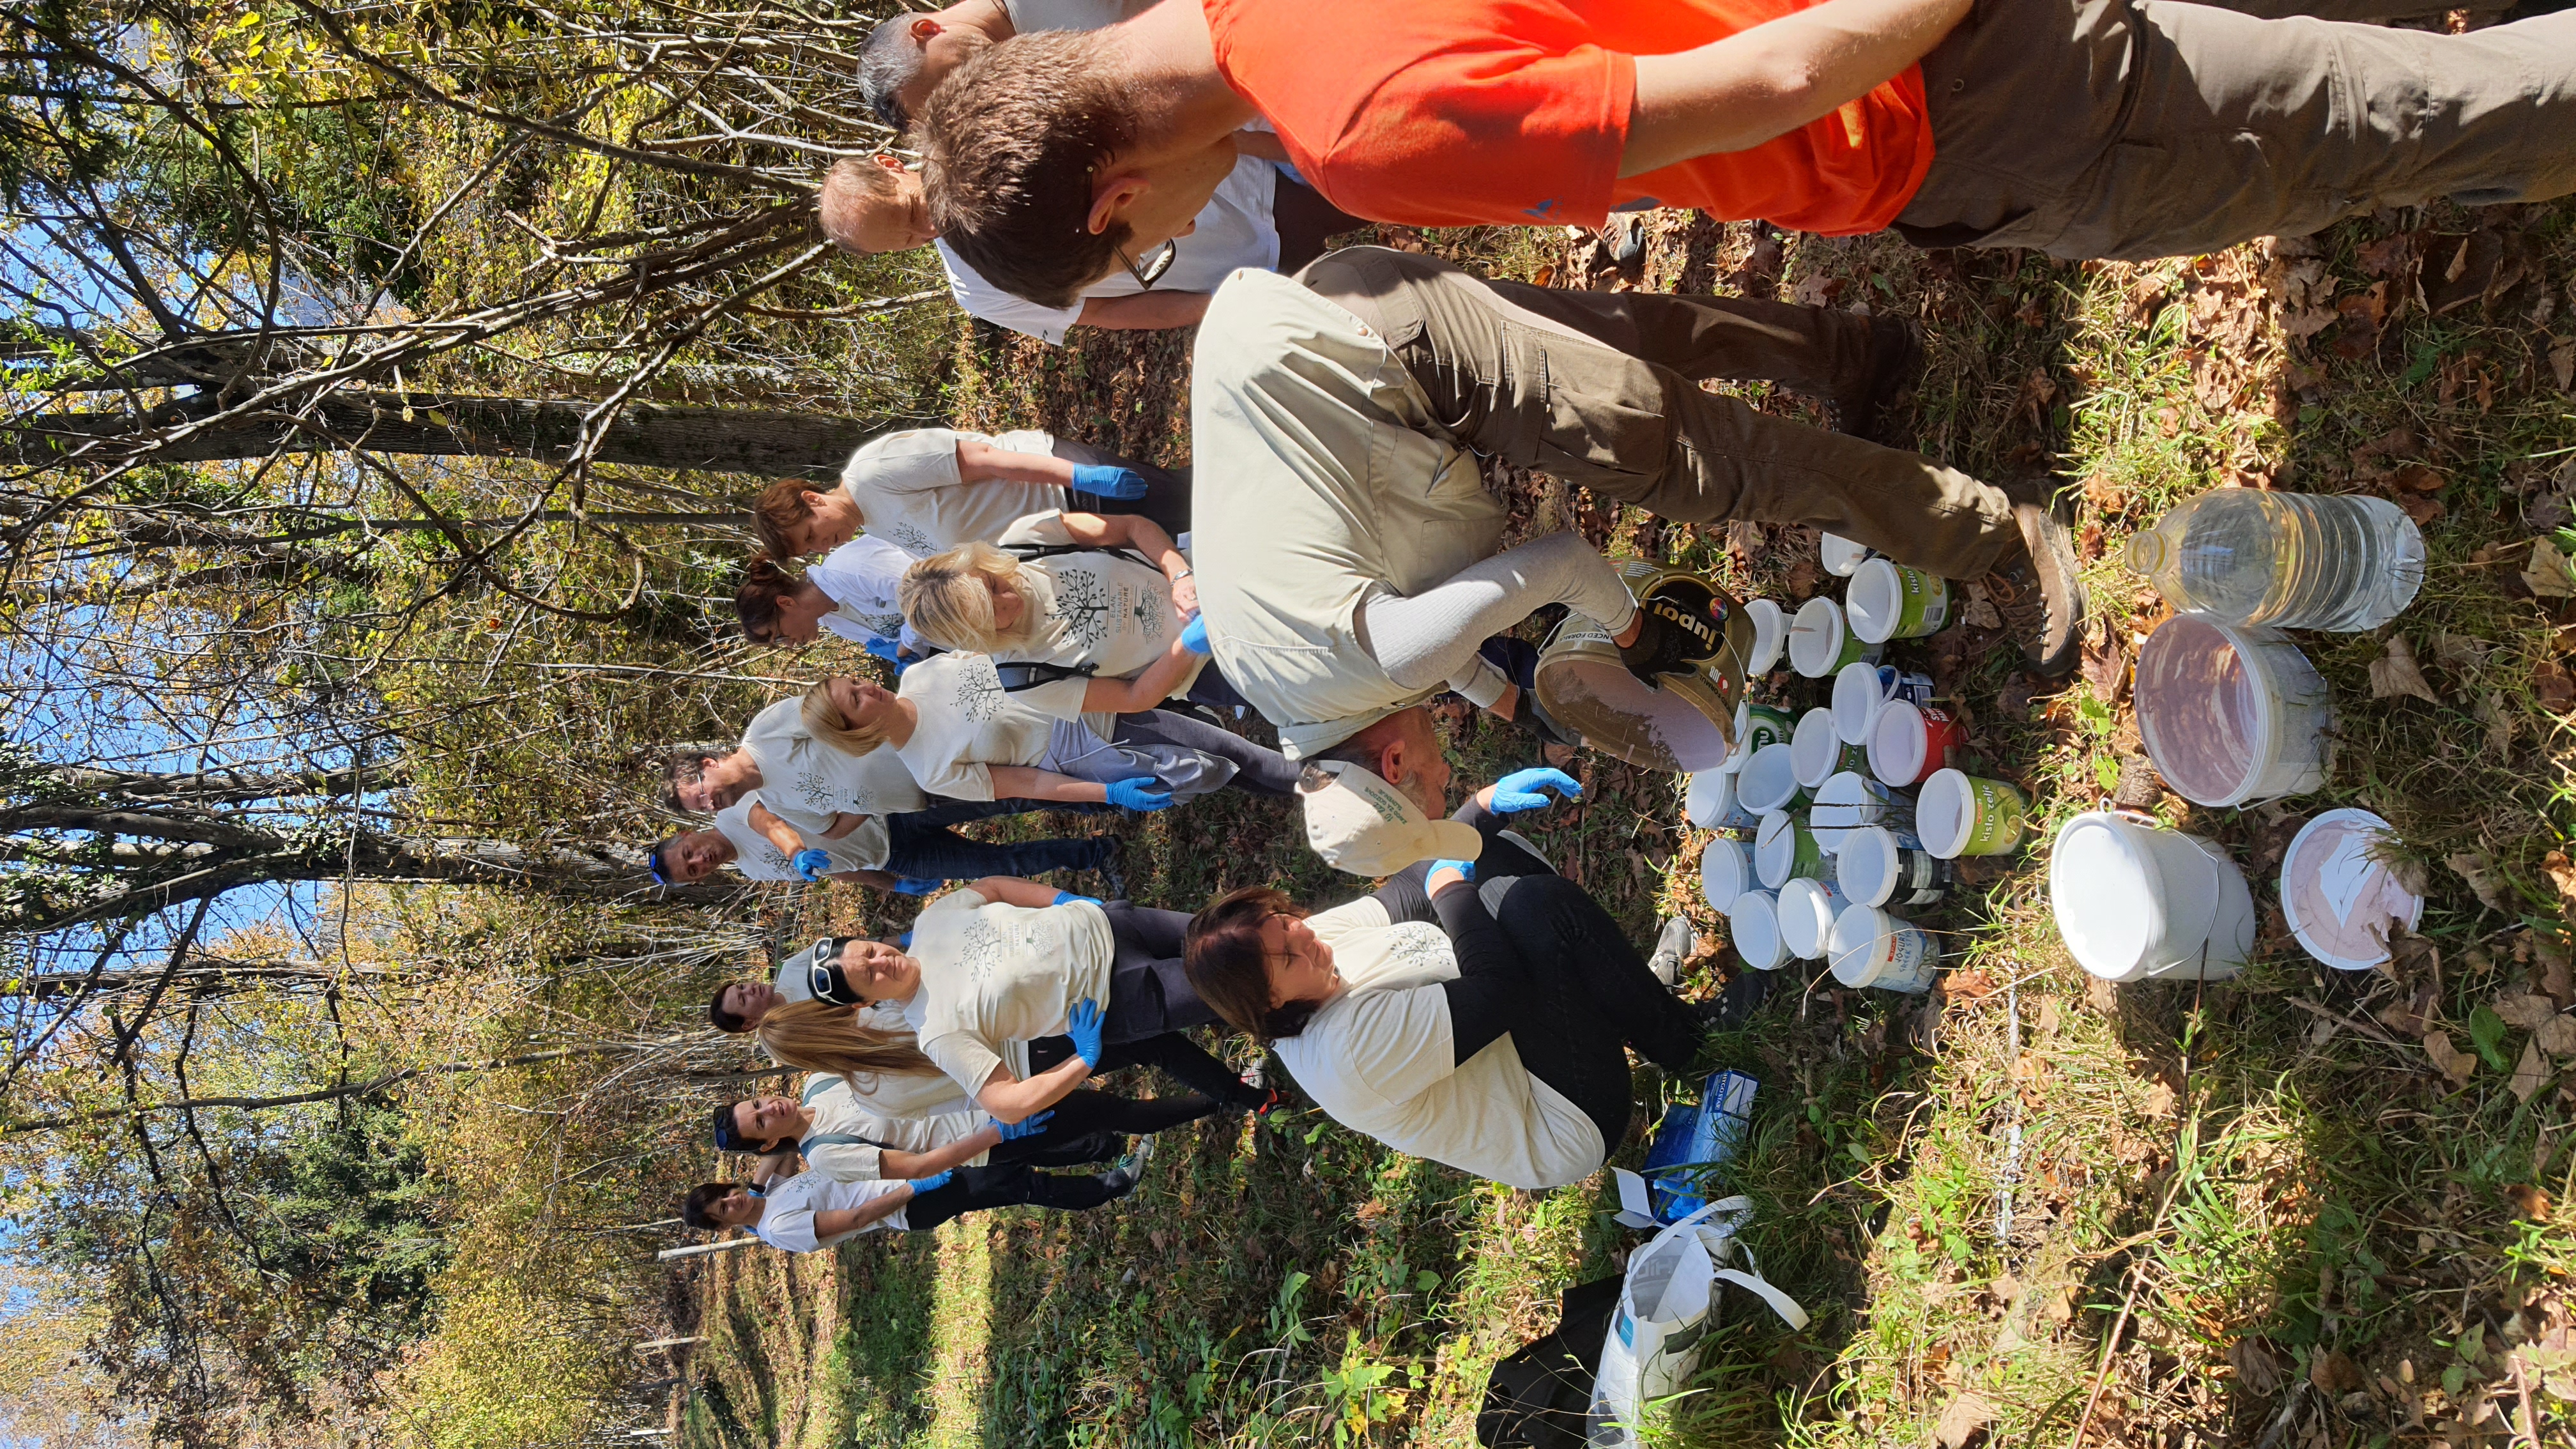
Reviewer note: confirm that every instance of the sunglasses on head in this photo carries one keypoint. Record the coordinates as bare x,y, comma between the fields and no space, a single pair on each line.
1156,263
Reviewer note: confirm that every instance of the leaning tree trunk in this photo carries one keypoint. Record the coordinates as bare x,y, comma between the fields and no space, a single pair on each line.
645,435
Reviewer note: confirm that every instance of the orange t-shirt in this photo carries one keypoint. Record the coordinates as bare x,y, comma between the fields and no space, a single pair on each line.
1514,112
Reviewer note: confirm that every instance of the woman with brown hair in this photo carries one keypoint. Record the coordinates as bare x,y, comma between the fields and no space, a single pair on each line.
994,969
1481,1026
852,593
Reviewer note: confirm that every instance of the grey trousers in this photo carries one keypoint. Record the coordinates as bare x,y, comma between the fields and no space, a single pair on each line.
1598,389
2131,129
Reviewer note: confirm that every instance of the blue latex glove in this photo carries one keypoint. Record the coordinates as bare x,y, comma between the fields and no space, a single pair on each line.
932,1183
1466,868
1066,898
1029,1126
812,864
913,885
1108,481
883,649
1194,635
1083,1025
903,940
1519,790
1142,794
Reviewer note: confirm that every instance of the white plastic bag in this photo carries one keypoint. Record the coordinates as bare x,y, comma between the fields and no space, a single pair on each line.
1664,1309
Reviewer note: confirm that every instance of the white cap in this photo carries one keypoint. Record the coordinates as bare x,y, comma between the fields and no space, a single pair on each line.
1361,824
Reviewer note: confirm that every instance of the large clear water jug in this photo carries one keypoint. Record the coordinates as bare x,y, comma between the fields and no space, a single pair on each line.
2286,560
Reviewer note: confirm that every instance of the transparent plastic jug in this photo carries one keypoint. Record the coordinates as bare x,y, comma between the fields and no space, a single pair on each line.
2284,560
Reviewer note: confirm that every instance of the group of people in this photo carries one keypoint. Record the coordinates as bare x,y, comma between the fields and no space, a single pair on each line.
1056,646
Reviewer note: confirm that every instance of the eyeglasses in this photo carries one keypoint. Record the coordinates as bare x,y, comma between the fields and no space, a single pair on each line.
1151,270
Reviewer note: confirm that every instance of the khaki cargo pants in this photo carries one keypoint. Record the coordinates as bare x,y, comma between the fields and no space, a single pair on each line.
1601,389
2131,129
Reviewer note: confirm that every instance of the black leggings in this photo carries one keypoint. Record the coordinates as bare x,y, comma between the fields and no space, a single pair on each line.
1095,1126
1555,972
973,1189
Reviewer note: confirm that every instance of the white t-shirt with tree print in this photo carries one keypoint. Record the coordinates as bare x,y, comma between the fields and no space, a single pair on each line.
758,859
788,1220
805,782
860,578
1100,607
849,1137
995,975
969,723
910,493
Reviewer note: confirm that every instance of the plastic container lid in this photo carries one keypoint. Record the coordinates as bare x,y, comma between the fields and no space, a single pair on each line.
1866,864
1753,922
1853,944
1840,555
1807,910
1944,815
1725,872
1710,799
1816,637
1814,748
2342,904
1843,801
1874,600
1775,848
1858,697
1768,780
1896,743
2108,898
1770,636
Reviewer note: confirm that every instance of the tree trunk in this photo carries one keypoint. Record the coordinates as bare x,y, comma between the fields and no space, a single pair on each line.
644,435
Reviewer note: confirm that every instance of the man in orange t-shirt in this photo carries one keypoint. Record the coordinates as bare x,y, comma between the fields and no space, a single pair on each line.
2083,128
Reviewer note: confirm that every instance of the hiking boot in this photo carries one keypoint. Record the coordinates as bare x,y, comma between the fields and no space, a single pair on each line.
2039,594
1868,410
1736,1004
1113,880
1127,1171
1671,949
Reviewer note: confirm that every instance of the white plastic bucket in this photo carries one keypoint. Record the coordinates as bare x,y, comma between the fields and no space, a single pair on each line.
1753,924
1840,556
1757,725
1869,947
1851,799
1769,781
1909,741
1712,804
1959,814
1807,910
1770,636
2134,900
1820,641
1784,849
1862,690
1887,600
1876,868
2231,716
1725,872
1817,752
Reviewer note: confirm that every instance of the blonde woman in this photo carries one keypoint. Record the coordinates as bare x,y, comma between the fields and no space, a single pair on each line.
1102,595
972,728
995,968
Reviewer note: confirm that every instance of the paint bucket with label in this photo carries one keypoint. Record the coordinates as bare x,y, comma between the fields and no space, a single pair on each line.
1840,555
1757,725
1770,636
1725,872
1908,742
2342,900
1869,947
1585,689
1712,804
1769,781
2136,901
1887,600
1784,849
2231,716
1753,924
1817,751
1852,799
1807,911
1959,814
1877,868
1820,642
1862,690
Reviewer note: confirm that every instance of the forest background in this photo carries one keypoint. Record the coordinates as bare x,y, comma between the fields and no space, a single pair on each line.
385,383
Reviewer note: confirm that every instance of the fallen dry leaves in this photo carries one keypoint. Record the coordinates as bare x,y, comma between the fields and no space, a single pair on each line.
2396,673
2553,687
2449,1060
2531,1073
2479,871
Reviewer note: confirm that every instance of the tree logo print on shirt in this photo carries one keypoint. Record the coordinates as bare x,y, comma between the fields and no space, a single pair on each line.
1420,945
775,861
980,695
908,537
1082,605
979,949
1146,608
884,626
814,791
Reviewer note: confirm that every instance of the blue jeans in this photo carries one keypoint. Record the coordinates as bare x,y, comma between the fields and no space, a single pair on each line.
924,844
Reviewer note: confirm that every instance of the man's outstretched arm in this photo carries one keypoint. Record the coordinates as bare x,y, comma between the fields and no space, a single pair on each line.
1734,94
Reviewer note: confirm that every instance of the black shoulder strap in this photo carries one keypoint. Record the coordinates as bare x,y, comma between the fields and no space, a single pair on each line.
1016,677
1032,552
842,1139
